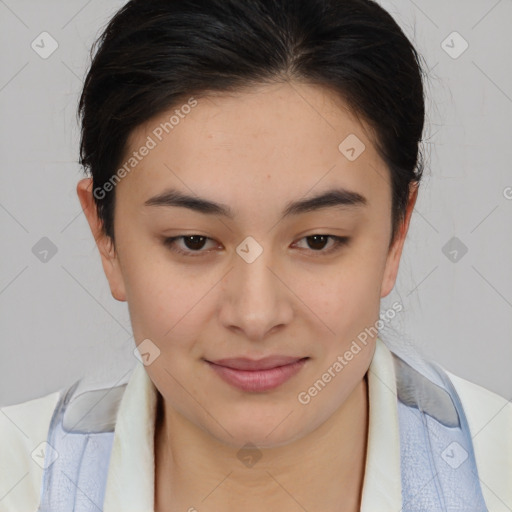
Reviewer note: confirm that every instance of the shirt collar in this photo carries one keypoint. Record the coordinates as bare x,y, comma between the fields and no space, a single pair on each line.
131,474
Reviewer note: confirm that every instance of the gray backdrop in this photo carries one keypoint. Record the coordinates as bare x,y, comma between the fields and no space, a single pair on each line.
58,319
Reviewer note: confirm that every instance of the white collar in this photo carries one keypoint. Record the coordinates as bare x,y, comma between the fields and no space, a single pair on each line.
130,481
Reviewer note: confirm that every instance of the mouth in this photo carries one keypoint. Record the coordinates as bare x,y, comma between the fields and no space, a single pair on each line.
266,363
257,375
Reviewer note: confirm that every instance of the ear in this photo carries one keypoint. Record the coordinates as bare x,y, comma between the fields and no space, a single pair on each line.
109,258
395,252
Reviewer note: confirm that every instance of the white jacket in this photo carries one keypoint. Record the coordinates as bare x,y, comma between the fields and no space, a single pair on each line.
130,483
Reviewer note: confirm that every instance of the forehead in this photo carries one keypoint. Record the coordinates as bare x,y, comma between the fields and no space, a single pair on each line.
273,140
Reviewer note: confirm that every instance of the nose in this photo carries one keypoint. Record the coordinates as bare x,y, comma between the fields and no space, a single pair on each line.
256,299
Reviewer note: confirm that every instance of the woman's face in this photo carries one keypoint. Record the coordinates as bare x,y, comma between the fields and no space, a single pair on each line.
259,283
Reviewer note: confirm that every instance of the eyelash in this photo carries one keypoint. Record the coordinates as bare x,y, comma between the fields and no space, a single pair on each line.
339,242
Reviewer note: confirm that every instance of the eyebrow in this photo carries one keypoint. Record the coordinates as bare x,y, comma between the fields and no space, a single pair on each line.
333,198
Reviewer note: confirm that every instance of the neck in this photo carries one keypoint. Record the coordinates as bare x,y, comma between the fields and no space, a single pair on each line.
321,471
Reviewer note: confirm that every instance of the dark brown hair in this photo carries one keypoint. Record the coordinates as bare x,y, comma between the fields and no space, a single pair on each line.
154,53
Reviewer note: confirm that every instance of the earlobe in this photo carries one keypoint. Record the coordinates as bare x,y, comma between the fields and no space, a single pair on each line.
109,258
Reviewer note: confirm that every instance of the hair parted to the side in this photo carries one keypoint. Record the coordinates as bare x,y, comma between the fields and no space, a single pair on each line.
155,54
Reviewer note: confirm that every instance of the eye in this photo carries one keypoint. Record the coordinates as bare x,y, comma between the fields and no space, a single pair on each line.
194,243
319,241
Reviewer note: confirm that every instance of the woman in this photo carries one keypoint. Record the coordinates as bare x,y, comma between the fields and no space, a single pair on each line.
254,168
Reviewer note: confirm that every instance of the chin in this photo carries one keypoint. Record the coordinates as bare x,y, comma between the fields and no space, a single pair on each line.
271,433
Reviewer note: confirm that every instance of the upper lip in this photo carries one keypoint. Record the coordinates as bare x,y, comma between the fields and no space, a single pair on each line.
243,363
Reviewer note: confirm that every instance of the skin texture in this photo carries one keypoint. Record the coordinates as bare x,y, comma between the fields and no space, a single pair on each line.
255,151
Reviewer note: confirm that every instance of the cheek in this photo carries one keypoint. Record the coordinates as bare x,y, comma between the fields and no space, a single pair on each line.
155,297
160,307
348,300
168,306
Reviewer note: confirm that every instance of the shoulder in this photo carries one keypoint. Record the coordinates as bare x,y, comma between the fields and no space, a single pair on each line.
23,431
485,410
489,416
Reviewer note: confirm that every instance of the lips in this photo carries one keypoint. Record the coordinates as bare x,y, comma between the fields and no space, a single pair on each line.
243,363
260,375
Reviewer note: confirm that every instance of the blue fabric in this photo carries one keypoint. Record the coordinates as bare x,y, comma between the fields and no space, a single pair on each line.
75,481
438,467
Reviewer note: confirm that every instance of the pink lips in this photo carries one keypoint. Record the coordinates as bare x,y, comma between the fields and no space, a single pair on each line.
257,375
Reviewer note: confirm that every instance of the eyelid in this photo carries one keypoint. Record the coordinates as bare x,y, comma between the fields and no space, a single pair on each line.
170,243
339,242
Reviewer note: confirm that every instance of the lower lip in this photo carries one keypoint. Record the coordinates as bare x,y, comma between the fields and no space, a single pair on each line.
258,380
